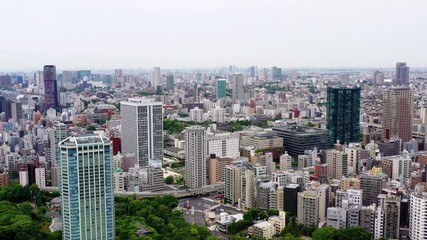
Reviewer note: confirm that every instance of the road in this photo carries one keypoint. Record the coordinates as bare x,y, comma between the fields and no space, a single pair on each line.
177,193
56,224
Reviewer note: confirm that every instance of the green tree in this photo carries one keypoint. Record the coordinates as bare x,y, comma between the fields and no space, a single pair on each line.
91,128
272,212
354,233
326,233
169,180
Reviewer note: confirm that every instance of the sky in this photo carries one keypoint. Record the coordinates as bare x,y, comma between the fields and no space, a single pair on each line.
91,34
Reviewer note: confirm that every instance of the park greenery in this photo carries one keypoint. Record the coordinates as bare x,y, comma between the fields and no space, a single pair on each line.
22,213
159,215
169,180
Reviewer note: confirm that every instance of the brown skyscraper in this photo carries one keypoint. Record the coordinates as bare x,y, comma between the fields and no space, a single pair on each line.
397,114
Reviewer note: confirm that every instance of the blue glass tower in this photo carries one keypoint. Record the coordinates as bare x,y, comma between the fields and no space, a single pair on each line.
87,200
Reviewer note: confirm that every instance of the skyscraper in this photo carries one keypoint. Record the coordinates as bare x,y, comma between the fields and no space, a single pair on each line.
170,82
402,74
87,200
276,73
397,114
142,130
221,88
195,156
155,78
51,94
57,133
118,78
237,86
418,213
343,114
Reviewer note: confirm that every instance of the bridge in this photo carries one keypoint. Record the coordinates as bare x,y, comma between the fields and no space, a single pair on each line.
177,193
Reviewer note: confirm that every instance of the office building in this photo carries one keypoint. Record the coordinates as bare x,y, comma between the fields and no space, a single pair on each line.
265,141
343,114
156,80
355,154
262,230
418,213
372,187
170,82
195,157
145,179
391,215
217,168
51,93
197,115
297,139
291,198
367,216
87,205
285,162
221,88
402,74
232,183
117,79
248,189
57,133
218,114
16,110
23,178
308,208
378,78
266,194
397,114
237,87
336,217
4,179
40,174
276,73
337,163
397,167
142,130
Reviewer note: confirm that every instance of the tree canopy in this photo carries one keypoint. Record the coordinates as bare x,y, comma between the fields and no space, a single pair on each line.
159,216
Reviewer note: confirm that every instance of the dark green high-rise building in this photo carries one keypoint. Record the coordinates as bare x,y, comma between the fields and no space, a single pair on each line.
343,114
221,88
170,82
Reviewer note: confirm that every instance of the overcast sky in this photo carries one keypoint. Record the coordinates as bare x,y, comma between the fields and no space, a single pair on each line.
200,33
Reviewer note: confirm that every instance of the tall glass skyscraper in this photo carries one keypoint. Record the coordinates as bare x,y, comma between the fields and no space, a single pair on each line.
51,94
221,88
87,200
343,114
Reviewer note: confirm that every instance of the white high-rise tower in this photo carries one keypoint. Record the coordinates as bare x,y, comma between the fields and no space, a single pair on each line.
142,130
195,156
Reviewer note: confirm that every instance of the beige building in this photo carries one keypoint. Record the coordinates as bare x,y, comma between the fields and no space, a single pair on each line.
247,190
264,230
232,182
285,162
349,183
280,198
217,168
261,141
279,222
337,163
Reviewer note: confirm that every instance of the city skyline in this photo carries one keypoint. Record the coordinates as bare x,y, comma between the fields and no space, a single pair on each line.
294,34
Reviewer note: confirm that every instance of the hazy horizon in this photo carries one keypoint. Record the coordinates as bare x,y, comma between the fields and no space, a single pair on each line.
190,34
